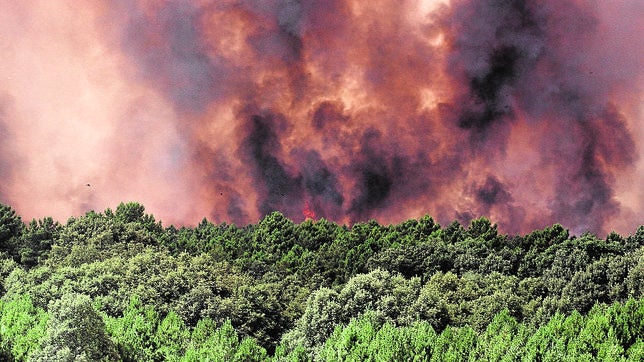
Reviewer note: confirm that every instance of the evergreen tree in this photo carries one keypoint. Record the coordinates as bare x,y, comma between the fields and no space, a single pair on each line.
75,332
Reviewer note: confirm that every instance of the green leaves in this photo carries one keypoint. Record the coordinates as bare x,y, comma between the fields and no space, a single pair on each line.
134,334
171,337
503,339
387,297
141,335
221,344
314,290
22,327
75,332
563,338
11,229
365,339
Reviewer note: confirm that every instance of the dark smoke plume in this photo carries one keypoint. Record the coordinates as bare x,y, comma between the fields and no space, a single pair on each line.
262,148
525,111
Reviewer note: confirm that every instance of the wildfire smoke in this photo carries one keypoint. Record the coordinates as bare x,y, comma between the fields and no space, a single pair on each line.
526,111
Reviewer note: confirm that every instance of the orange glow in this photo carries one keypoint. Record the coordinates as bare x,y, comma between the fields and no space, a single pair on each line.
307,212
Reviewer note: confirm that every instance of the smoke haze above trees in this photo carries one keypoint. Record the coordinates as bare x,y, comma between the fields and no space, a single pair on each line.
529,112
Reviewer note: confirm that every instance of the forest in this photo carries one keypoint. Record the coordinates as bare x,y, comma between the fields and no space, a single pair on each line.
119,285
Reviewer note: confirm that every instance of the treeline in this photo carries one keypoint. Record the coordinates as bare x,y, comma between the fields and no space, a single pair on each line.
118,285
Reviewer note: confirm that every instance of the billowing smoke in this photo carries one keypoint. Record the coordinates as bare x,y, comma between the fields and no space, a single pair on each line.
525,111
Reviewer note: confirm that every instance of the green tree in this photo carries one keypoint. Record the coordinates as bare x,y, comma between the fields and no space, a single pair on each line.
322,314
134,333
634,285
503,339
37,239
454,344
414,260
597,338
311,235
636,351
75,332
484,229
627,322
22,326
131,212
171,337
365,339
636,240
540,246
221,344
387,297
11,229
350,343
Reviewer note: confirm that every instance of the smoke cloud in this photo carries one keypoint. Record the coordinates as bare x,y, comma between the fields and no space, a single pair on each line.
526,111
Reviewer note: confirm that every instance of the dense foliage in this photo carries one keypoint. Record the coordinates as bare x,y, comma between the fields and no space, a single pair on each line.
118,285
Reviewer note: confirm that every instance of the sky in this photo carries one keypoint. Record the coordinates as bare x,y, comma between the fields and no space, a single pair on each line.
528,112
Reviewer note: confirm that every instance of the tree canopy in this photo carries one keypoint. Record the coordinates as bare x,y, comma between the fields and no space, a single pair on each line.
282,291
